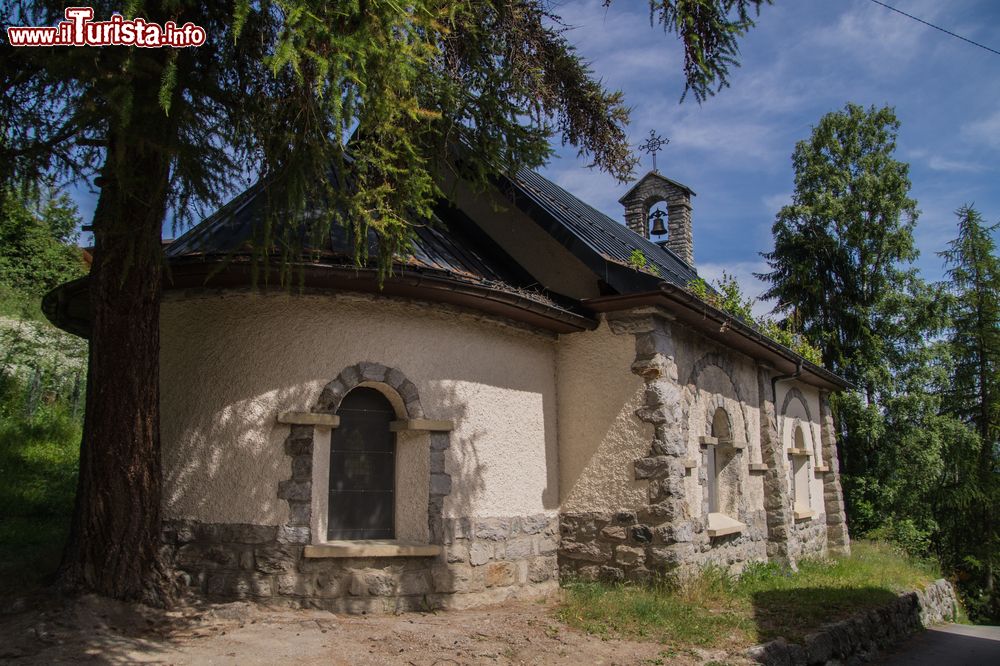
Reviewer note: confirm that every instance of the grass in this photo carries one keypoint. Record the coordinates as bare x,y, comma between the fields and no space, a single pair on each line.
722,611
38,468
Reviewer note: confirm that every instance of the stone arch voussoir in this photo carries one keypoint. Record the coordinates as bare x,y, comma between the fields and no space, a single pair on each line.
724,363
367,371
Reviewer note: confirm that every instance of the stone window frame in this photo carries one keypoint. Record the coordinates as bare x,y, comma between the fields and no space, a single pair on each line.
794,393
308,446
718,522
800,456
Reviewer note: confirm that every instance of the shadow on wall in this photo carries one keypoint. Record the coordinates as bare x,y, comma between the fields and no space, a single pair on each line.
236,453
794,613
467,480
231,364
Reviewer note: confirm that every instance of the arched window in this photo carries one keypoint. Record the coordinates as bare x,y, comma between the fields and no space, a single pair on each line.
723,477
363,469
800,472
720,427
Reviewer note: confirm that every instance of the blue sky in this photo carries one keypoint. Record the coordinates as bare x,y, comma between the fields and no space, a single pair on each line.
804,59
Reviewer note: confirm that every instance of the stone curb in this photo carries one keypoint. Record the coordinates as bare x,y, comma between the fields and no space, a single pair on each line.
860,638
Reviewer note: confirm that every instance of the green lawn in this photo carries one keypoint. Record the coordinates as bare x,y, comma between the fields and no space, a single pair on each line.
718,610
38,467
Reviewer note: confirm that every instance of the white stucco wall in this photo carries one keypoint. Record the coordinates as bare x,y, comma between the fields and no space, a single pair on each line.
807,413
599,434
230,362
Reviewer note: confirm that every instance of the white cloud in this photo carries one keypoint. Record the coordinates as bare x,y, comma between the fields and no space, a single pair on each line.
938,162
875,38
984,131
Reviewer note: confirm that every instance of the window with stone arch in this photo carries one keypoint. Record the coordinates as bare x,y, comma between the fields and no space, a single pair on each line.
723,469
800,471
362,476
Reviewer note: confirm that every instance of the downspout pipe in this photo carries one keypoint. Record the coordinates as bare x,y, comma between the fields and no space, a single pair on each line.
781,378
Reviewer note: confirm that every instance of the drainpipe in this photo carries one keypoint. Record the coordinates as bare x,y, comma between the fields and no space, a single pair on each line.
781,378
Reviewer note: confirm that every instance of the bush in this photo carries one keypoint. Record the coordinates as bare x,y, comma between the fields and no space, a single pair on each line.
38,472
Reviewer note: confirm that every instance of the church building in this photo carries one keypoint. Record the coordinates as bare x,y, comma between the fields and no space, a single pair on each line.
535,394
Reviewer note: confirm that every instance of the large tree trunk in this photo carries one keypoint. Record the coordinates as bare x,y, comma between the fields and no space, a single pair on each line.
114,545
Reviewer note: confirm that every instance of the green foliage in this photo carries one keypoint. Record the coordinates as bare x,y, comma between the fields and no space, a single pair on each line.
718,610
970,487
710,30
37,236
637,260
840,245
783,335
914,465
640,262
42,376
395,97
38,463
974,340
726,295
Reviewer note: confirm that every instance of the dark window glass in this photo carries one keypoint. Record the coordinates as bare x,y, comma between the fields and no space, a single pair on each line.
362,468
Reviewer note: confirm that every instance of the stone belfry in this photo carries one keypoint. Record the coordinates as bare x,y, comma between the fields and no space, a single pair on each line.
654,188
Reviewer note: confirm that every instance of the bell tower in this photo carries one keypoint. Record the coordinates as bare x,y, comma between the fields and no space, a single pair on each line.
652,189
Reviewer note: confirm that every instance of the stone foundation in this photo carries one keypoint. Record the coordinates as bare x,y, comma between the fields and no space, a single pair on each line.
485,560
810,538
627,546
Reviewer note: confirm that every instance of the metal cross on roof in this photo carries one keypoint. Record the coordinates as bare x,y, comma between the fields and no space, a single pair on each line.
654,144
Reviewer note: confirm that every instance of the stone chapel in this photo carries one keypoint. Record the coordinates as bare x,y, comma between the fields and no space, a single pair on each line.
520,402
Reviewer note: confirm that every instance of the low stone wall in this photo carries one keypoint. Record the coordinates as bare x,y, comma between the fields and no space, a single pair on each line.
859,639
485,560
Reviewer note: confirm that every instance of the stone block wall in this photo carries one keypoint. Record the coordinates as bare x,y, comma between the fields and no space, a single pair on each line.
667,533
663,536
484,560
809,538
627,546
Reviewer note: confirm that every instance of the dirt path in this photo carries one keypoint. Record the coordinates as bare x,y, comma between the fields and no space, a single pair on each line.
952,644
92,630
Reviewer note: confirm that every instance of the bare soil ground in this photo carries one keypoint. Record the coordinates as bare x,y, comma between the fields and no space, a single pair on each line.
52,630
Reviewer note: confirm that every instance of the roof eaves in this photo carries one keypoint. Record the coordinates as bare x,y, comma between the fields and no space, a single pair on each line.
672,295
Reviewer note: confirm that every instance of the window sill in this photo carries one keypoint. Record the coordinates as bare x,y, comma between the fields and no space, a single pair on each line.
371,548
758,467
309,418
821,469
721,443
806,453
719,524
804,514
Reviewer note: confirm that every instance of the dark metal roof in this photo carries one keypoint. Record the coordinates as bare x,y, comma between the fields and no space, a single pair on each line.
449,243
584,229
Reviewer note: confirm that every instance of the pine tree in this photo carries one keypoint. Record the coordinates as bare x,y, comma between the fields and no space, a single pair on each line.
842,264
974,391
285,91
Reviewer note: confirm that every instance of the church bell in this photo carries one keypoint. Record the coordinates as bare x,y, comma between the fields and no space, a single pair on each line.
658,228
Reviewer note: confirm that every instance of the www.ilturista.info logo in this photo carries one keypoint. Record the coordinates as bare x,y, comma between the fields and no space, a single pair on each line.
79,30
